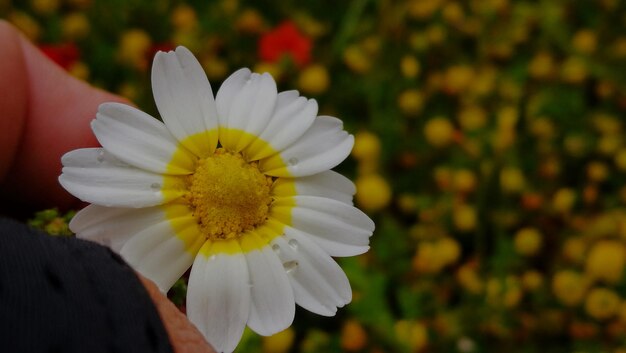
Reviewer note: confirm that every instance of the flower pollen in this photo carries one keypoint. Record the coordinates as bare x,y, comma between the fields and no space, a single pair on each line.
228,195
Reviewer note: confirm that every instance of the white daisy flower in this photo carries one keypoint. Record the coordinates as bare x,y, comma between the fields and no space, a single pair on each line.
238,187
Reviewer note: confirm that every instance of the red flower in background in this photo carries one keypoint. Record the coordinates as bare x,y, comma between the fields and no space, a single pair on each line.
285,40
64,54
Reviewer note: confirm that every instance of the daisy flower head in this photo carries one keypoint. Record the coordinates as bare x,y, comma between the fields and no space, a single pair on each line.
238,187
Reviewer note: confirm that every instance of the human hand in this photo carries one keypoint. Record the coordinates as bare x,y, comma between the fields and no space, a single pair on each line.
44,112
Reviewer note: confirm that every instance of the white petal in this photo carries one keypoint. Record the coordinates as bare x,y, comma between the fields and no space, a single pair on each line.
273,306
328,184
138,139
185,100
95,176
227,93
157,253
292,116
338,228
319,284
250,110
323,146
112,226
218,298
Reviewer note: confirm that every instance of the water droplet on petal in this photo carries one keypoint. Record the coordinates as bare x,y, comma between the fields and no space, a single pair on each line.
290,266
155,186
212,257
276,248
100,157
292,162
293,243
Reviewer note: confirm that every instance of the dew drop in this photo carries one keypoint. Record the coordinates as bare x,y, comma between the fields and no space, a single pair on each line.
100,157
276,248
212,257
293,243
292,161
155,186
290,266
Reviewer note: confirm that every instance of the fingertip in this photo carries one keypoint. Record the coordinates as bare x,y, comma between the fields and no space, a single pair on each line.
60,108
13,97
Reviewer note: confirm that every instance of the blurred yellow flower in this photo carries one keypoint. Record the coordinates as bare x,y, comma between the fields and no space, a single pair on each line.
280,342
563,200
484,81
80,70
409,66
216,68
575,144
353,336
427,259
133,47
184,18
273,69
436,34
609,145
532,280
413,334
468,278
367,146
472,117
606,260
585,41
458,78
310,25
75,26
606,124
507,117
512,295
443,177
464,181
574,250
373,192
597,171
448,250
407,203
602,303
541,66
506,292
26,24
528,241
44,7
423,9
411,102
574,70
512,180
439,131
356,59
464,218
542,128
453,13
128,90
569,287
250,21
314,79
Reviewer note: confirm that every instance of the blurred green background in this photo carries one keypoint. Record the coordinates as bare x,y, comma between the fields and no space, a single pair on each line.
489,150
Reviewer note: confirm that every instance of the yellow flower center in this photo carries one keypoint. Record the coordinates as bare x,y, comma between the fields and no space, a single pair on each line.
228,195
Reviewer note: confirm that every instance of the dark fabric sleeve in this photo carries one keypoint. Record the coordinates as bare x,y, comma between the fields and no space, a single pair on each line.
69,295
